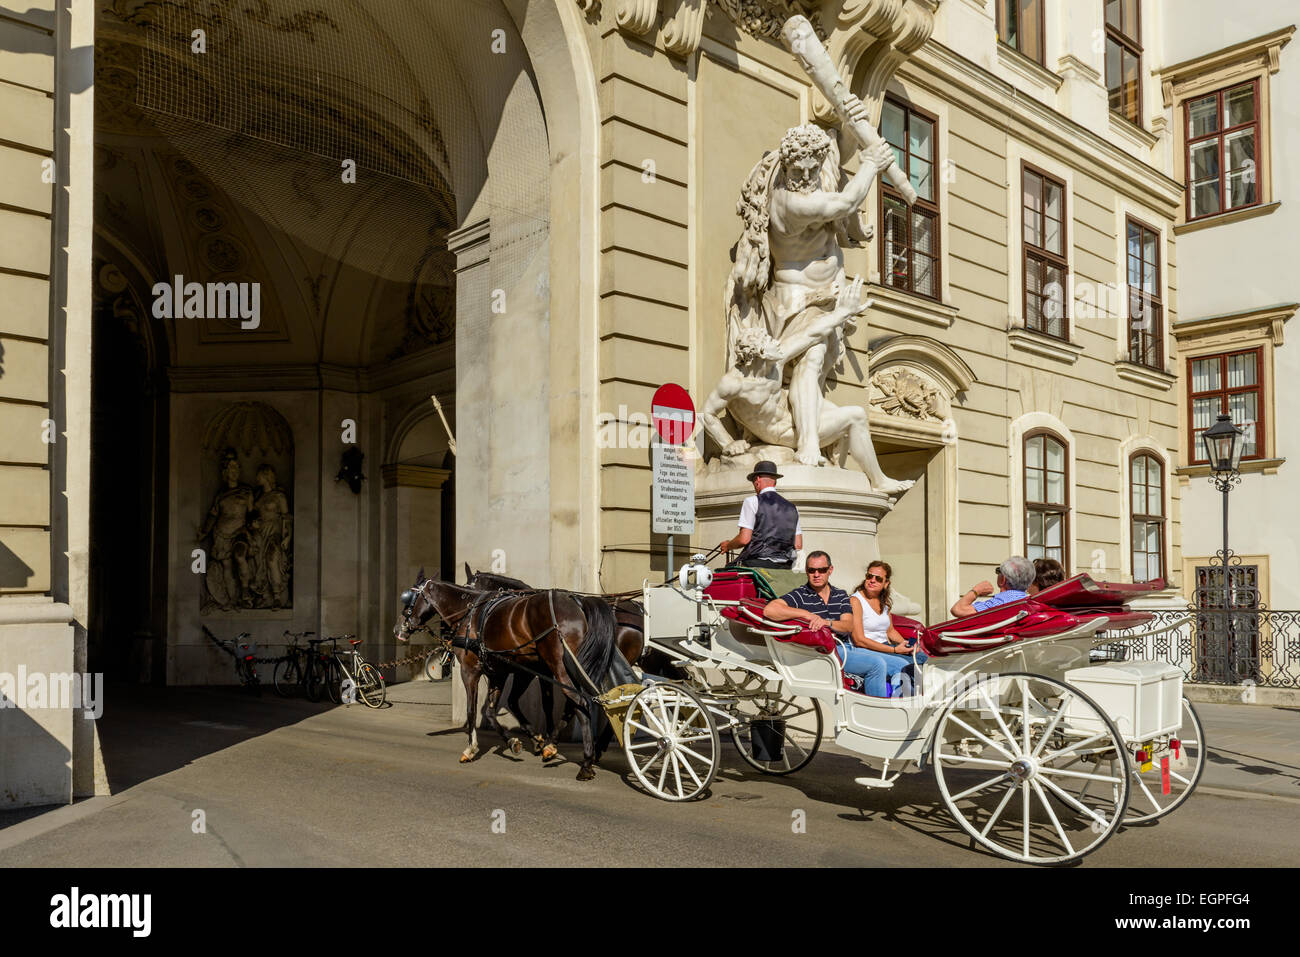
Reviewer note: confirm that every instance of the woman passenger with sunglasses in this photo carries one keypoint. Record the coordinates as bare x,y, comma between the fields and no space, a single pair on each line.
878,652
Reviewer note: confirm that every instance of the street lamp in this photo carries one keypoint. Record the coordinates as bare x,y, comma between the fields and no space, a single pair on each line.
1223,449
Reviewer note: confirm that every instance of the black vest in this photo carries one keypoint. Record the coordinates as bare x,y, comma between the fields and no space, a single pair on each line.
773,536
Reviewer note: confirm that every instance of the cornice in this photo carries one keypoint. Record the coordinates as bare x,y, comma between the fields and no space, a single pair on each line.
1222,219
409,370
1034,72
1039,344
1264,50
1268,321
996,101
413,476
1145,375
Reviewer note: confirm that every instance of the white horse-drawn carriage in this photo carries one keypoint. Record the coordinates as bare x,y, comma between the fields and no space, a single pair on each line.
1040,751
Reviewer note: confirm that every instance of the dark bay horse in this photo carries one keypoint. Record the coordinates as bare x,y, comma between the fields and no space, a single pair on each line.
541,631
629,636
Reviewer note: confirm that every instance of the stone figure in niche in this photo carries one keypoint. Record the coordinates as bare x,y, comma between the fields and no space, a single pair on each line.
788,282
227,525
271,532
250,536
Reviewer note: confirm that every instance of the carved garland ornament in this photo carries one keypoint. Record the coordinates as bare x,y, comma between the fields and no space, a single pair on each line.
903,393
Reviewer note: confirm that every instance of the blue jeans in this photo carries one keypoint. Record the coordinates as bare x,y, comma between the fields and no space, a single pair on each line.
875,667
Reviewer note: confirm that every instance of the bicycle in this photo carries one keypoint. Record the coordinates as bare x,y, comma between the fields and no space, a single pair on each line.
290,669
316,669
245,654
364,679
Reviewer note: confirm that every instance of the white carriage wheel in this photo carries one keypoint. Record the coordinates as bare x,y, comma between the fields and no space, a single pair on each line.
801,729
671,742
1007,753
1147,802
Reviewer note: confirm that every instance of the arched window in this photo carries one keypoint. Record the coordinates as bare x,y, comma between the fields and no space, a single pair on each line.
1047,497
1147,502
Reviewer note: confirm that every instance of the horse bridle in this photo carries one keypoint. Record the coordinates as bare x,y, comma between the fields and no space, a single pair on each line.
442,635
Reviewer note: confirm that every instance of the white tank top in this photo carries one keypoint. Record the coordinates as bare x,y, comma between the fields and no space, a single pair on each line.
875,625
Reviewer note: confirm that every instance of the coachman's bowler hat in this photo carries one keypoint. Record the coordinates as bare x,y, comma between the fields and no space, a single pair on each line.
763,468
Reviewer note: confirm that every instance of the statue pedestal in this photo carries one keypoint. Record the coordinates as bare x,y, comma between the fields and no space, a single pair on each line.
837,508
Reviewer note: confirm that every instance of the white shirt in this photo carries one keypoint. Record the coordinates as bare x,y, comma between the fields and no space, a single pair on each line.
749,512
875,625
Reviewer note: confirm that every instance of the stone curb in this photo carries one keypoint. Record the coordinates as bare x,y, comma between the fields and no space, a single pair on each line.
1237,694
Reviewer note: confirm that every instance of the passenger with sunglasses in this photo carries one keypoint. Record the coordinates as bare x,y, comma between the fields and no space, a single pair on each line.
877,651
818,604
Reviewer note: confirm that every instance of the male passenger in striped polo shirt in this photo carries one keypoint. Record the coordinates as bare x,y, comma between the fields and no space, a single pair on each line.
818,604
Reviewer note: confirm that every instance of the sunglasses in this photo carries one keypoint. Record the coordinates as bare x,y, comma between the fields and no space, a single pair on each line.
877,578
819,571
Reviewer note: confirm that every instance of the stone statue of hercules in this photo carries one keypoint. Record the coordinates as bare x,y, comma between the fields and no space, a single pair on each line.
752,393
807,258
794,218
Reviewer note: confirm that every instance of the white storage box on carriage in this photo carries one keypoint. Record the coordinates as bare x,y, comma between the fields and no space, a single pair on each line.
1143,698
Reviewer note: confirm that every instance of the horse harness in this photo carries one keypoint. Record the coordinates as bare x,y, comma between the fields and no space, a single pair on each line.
478,615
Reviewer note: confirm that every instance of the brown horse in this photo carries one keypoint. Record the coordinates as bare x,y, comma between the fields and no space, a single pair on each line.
629,636
572,639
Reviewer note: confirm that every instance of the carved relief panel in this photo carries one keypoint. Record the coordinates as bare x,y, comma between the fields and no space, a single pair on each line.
247,529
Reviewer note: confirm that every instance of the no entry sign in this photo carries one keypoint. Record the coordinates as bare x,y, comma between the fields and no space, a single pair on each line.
673,413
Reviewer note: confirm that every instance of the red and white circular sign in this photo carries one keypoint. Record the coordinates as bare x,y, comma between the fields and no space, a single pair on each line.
673,413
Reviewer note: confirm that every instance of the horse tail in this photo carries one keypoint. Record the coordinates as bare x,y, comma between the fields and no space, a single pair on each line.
598,650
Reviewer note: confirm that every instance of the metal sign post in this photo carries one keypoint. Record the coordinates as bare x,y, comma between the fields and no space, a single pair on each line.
673,498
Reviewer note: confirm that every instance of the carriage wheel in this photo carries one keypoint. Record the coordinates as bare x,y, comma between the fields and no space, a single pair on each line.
671,743
1147,800
1025,765
800,724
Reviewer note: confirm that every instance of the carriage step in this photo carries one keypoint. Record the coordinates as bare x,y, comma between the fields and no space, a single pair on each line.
876,782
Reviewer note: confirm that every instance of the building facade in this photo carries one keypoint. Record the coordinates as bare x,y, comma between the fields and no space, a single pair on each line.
1228,87
271,235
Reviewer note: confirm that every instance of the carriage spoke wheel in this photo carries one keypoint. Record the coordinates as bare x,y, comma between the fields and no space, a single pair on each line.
1031,768
671,743
1147,800
798,719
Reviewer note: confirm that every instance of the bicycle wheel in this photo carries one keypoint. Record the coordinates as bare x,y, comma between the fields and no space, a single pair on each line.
370,686
287,676
334,680
315,679
431,663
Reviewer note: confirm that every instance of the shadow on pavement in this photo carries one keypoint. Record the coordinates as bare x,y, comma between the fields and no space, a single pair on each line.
147,731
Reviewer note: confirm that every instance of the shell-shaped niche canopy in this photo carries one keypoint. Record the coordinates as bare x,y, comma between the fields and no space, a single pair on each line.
249,427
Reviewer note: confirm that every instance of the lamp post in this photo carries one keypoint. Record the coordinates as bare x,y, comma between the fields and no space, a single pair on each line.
1223,449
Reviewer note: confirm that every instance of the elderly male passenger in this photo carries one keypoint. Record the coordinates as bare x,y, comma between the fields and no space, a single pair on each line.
1015,575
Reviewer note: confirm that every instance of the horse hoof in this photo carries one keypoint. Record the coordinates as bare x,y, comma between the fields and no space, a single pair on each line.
549,752
467,755
516,746
585,773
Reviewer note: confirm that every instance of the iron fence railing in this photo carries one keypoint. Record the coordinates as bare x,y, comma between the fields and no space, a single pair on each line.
1215,646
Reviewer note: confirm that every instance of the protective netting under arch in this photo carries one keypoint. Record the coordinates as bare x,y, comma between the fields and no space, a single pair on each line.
363,131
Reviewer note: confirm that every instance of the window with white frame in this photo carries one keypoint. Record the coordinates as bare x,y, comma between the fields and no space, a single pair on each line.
1147,507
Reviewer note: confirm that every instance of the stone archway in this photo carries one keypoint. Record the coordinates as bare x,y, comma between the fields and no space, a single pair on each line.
365,309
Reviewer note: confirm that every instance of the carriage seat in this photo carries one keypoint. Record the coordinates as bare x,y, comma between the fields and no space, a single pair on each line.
1052,611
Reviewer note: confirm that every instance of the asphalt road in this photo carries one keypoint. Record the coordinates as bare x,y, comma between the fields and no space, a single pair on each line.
290,783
